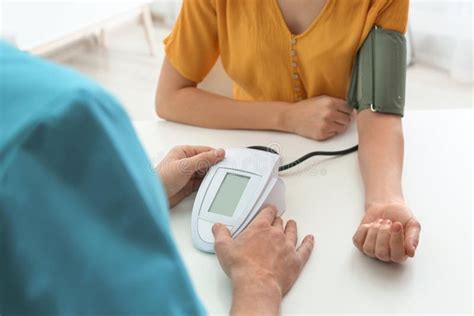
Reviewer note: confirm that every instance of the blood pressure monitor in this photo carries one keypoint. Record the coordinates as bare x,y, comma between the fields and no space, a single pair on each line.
234,191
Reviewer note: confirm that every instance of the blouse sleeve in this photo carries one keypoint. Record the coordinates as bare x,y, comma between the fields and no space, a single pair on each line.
192,47
393,16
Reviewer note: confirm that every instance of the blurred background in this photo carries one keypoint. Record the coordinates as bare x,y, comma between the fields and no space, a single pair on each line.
119,44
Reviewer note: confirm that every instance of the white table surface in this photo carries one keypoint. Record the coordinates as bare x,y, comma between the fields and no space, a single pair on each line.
326,200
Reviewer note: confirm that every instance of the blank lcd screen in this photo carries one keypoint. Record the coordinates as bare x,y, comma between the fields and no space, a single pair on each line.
229,194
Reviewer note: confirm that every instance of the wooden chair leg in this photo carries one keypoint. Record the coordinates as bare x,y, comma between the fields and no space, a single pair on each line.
149,30
102,38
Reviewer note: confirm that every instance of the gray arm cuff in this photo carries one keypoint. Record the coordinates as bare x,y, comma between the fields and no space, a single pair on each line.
379,73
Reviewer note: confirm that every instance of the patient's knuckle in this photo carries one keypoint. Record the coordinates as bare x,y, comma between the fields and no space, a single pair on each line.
382,254
319,136
328,101
356,240
323,99
327,114
399,259
325,129
367,249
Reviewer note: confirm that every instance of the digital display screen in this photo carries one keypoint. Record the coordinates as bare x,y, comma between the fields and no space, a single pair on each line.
229,194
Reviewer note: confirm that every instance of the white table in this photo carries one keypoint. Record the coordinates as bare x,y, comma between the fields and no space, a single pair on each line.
327,200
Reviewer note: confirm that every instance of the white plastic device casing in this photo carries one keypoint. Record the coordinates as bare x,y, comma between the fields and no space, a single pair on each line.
263,188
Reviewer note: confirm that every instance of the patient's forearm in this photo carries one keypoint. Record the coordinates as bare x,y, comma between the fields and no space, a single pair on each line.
191,105
381,156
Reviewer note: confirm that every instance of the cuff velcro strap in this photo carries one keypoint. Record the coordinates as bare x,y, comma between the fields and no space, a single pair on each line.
379,73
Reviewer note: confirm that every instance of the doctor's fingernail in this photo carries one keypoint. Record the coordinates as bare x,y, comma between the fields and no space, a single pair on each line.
215,227
219,152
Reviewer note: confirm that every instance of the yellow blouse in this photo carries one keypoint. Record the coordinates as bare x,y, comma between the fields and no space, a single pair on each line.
265,61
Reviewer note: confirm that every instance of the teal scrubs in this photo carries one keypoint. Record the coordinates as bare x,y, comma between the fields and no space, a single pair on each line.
84,225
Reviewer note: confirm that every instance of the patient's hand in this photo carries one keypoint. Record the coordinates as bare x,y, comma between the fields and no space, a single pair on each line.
388,232
318,118
183,168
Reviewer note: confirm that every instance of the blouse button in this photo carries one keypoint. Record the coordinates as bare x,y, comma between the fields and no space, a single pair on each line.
295,76
293,64
293,41
293,52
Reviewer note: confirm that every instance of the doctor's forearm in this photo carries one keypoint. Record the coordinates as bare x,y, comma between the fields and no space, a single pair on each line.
381,147
255,296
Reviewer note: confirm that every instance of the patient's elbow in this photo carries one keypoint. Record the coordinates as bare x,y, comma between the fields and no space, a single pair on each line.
163,108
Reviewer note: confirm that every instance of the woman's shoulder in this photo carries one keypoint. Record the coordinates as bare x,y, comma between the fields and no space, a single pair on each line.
377,6
390,14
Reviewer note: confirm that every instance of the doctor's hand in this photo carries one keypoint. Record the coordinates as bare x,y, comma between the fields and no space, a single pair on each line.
263,262
182,169
388,232
318,118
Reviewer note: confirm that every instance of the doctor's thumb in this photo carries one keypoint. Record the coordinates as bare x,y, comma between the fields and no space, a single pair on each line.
203,161
221,233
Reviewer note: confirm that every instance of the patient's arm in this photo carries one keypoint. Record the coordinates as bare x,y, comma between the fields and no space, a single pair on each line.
381,162
178,99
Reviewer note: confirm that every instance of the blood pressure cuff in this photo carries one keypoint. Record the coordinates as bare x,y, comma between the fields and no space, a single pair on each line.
83,218
379,73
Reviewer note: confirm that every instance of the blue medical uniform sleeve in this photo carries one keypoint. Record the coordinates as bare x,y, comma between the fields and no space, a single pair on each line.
84,225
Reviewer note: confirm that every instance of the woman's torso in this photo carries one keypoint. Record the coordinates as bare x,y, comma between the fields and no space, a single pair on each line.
268,63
